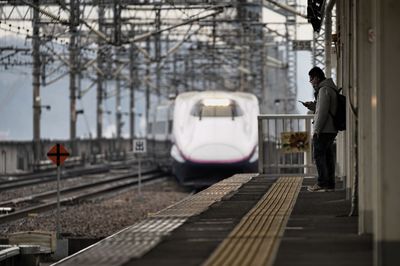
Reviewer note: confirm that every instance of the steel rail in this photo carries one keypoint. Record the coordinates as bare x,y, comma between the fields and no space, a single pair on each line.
37,178
48,177
74,199
51,193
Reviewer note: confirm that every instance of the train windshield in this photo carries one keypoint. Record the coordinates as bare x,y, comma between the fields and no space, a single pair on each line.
216,108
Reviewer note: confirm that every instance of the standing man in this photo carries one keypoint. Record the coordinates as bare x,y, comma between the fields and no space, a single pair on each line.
324,130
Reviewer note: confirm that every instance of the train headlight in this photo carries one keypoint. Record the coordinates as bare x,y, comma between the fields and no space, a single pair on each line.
176,154
217,102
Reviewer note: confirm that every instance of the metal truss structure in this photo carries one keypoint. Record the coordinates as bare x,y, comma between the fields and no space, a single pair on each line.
319,43
291,58
318,52
155,47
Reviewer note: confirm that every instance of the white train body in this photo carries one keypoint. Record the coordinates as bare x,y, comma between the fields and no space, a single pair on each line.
214,135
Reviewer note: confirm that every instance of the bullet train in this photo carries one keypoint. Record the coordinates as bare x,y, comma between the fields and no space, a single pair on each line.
214,135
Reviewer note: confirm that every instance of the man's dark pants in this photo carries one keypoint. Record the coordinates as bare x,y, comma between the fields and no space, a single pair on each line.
324,158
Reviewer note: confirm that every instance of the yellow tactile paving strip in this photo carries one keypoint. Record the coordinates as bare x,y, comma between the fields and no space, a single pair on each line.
255,239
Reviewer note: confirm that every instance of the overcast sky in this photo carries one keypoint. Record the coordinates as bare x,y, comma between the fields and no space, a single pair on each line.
16,99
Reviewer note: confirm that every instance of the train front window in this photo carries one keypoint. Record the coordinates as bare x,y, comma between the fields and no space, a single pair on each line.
231,109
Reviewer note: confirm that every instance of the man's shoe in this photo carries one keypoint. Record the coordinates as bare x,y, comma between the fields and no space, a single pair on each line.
316,188
330,189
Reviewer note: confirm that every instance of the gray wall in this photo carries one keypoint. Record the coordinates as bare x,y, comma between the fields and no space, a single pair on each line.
17,156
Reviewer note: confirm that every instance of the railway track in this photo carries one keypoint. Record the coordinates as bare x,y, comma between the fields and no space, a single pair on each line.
48,200
39,178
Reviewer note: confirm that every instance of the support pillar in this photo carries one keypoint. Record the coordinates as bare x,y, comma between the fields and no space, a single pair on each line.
74,16
132,85
36,83
100,76
364,87
385,106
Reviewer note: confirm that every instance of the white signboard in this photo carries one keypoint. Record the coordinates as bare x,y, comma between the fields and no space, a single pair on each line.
139,146
300,45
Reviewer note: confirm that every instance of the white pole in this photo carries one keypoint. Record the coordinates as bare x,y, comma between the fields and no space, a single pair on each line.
140,177
308,154
58,228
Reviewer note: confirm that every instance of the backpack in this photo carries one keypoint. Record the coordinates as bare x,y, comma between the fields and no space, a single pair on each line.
339,118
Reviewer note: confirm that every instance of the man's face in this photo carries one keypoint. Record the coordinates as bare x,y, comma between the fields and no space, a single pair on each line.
314,81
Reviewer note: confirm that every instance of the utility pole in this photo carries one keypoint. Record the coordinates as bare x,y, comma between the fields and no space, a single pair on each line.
118,108
100,75
168,90
147,86
241,36
263,55
257,42
204,79
192,70
117,40
264,91
132,84
175,81
328,38
36,82
291,57
74,15
186,71
214,68
158,53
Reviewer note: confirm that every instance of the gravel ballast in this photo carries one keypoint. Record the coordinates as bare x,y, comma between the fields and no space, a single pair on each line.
103,217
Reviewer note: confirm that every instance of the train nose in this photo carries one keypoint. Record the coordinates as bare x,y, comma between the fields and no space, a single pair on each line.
216,153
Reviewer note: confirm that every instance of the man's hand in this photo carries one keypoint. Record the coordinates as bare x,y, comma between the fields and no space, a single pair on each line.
309,105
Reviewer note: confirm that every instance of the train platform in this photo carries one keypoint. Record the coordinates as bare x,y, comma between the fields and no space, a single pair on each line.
247,219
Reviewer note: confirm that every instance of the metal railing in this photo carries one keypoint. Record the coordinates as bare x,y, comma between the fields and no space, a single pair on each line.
284,145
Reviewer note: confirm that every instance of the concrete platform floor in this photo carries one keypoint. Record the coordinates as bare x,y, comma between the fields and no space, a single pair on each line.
194,241
319,231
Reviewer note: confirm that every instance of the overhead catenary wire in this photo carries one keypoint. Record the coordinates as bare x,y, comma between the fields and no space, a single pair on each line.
192,30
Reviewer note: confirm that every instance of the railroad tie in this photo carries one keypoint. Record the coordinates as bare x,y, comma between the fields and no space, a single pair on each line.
255,240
